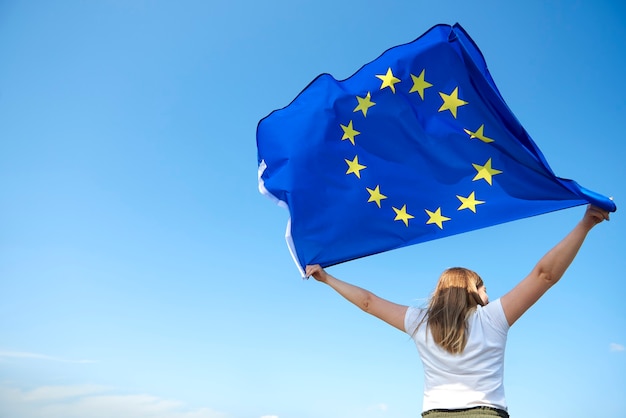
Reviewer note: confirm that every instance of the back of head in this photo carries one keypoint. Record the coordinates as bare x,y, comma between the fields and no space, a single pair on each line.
455,298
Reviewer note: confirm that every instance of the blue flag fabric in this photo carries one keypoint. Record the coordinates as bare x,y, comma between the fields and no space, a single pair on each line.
416,145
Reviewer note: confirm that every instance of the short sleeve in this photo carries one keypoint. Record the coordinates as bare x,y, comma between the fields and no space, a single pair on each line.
494,314
411,319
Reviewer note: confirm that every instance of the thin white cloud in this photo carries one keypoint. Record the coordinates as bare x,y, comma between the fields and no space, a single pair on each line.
61,393
616,347
90,401
36,356
379,407
269,416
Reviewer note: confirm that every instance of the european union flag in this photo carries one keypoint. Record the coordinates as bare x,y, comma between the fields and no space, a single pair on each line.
416,145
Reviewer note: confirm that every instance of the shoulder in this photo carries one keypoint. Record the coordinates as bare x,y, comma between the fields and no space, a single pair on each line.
412,318
493,314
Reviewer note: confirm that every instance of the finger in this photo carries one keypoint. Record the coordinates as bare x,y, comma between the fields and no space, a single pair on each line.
311,270
602,214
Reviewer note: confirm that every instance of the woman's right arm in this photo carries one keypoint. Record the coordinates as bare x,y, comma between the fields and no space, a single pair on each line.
390,312
550,268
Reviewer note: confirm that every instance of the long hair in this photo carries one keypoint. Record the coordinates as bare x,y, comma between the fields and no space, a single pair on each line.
454,300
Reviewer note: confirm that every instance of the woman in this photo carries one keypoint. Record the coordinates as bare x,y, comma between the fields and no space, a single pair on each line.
461,336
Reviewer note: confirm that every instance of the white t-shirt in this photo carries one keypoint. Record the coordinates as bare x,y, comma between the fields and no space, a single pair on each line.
472,378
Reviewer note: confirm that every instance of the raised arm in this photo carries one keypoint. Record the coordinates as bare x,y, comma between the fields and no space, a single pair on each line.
390,312
550,268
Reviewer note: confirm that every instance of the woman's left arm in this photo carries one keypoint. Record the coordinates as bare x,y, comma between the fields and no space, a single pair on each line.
390,312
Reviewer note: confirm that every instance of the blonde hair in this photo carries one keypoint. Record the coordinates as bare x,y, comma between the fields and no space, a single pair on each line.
454,300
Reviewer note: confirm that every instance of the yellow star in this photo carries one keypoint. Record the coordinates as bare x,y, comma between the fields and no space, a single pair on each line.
478,134
451,101
364,104
485,172
349,132
376,195
469,202
419,84
402,215
355,167
388,80
436,218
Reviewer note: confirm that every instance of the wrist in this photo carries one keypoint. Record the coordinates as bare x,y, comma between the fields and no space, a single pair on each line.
587,224
325,277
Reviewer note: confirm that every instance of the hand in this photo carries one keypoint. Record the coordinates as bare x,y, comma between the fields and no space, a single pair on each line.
594,215
317,272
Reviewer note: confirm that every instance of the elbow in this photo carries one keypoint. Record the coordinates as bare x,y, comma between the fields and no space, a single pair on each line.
366,303
547,277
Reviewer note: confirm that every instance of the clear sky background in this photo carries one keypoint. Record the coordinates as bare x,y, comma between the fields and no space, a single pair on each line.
142,274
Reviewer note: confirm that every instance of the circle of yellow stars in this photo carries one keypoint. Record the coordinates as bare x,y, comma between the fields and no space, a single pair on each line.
450,102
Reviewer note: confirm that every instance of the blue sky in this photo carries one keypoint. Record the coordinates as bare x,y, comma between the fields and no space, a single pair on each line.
142,273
